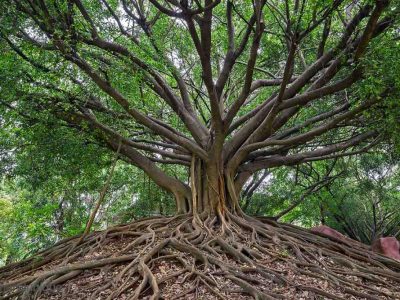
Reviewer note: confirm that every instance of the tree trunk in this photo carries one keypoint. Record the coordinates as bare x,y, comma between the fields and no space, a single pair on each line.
213,190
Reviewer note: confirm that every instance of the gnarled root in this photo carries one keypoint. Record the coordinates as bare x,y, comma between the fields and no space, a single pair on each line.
184,256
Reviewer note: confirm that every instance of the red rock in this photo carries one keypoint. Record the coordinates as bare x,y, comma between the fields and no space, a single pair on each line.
388,246
326,230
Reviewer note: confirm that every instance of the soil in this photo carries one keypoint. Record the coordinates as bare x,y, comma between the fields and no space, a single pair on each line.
201,258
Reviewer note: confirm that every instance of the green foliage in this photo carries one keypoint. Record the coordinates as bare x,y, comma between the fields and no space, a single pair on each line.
50,181
362,202
26,224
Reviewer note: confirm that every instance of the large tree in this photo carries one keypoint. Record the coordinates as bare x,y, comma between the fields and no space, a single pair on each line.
222,88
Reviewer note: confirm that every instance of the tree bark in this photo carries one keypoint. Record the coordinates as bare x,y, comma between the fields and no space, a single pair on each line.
213,189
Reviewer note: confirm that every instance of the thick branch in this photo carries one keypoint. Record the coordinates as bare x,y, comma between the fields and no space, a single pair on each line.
279,160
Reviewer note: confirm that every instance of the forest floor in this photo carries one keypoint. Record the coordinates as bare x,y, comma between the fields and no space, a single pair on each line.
169,258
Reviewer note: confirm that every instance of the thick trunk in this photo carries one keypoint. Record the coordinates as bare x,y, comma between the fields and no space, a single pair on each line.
213,190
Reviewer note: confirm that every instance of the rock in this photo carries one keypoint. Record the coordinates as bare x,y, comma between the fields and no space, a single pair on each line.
330,232
388,246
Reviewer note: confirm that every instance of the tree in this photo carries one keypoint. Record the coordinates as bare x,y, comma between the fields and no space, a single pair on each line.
355,195
221,88
364,206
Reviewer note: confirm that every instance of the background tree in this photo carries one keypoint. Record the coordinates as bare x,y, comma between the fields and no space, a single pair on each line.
357,198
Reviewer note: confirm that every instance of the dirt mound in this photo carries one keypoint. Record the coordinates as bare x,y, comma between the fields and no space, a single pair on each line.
202,258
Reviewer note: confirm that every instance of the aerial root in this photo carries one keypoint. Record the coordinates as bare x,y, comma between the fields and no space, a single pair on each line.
259,257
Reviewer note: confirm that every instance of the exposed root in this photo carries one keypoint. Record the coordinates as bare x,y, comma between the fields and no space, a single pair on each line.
184,256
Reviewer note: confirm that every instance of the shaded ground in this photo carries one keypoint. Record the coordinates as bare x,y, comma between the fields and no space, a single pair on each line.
189,258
